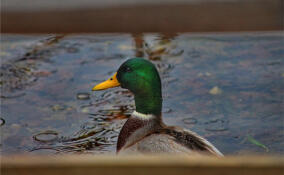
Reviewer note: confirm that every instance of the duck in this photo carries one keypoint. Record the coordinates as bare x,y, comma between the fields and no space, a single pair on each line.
144,132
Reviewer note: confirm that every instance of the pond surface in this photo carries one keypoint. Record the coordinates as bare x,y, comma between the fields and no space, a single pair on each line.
229,88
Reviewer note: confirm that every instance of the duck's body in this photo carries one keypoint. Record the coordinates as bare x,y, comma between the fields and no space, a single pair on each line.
146,135
144,132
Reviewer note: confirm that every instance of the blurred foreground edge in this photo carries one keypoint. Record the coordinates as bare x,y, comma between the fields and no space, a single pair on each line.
91,16
150,165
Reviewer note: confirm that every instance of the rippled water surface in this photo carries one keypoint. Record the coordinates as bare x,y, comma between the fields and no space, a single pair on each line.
228,88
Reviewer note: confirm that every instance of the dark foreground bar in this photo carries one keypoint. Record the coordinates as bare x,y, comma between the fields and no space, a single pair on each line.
70,16
150,165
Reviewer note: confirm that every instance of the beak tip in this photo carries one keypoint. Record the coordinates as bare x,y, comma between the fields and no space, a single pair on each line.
94,88
110,83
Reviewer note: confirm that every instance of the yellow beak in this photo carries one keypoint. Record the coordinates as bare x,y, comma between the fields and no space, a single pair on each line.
110,83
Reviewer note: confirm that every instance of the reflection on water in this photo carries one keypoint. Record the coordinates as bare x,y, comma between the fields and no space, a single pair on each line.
83,96
228,88
46,136
2,121
216,125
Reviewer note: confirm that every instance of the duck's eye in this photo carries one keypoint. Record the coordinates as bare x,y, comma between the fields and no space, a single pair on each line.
128,69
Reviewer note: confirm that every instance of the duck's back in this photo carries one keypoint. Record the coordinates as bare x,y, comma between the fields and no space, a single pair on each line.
155,143
172,140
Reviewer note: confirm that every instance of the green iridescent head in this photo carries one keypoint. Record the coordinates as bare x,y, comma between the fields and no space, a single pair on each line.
141,77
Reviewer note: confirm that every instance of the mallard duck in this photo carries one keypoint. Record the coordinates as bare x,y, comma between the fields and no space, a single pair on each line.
144,132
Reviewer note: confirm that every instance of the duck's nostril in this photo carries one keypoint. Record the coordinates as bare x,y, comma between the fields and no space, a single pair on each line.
111,79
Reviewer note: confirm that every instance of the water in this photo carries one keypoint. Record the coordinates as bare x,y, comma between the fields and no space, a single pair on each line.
226,87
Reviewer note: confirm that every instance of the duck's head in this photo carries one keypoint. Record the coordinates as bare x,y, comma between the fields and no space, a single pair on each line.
142,78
